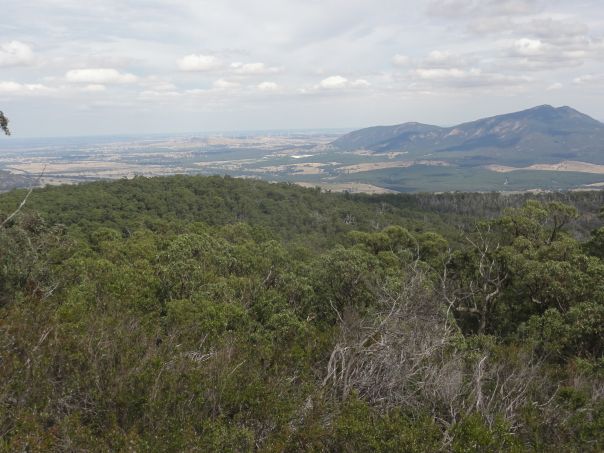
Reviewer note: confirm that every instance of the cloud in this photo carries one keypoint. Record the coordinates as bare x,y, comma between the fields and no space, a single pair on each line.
360,83
439,57
400,60
540,54
556,30
333,82
589,79
529,38
443,74
526,47
465,8
15,53
222,84
199,63
308,51
468,78
253,68
555,86
337,82
156,95
94,88
99,76
15,88
447,59
268,86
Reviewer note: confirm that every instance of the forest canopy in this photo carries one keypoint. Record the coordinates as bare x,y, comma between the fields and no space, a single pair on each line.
219,314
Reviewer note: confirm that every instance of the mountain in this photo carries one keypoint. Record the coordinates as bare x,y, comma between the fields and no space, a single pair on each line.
542,134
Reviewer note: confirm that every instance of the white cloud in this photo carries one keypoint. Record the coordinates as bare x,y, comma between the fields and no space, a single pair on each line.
555,30
473,77
447,59
268,86
155,83
16,88
528,47
555,86
360,83
319,49
253,68
400,60
443,74
333,82
437,56
222,84
197,92
338,82
159,95
15,53
199,63
99,76
589,79
94,88
545,54
463,8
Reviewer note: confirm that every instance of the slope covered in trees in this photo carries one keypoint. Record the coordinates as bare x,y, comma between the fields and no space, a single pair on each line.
217,314
542,134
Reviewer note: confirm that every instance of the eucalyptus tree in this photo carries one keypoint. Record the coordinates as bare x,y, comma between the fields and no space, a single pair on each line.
4,123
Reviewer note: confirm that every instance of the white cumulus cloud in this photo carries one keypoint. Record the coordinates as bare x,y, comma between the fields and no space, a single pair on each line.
222,84
360,83
444,74
15,88
15,53
589,79
268,86
338,82
199,63
252,68
333,82
528,47
99,76
555,86
94,88
400,60
467,78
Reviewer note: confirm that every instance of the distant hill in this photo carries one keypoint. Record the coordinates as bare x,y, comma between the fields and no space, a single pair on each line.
542,134
10,181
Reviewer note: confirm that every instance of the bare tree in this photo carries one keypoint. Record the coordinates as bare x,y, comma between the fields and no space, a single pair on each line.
475,291
408,354
394,357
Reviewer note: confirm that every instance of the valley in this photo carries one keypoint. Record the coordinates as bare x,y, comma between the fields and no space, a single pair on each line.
542,148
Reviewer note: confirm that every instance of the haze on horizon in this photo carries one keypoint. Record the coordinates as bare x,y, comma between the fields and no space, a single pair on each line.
110,67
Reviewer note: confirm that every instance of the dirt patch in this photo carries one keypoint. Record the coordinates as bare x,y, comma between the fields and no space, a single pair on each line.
389,155
567,165
370,166
307,168
352,187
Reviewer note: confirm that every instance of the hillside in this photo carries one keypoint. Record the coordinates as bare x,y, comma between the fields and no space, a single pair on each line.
222,314
541,134
544,148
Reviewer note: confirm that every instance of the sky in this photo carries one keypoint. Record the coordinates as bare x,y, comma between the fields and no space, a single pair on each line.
73,67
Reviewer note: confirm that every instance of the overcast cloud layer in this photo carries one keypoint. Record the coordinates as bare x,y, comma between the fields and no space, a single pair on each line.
72,67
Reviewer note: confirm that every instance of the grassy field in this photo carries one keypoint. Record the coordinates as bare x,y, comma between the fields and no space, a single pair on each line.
421,178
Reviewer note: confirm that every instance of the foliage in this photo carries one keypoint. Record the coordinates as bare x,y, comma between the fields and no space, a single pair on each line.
4,123
196,314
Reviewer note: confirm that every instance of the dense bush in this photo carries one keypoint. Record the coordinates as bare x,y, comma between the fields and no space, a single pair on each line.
211,314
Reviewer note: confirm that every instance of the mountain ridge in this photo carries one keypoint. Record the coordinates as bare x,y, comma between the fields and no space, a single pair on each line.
535,135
